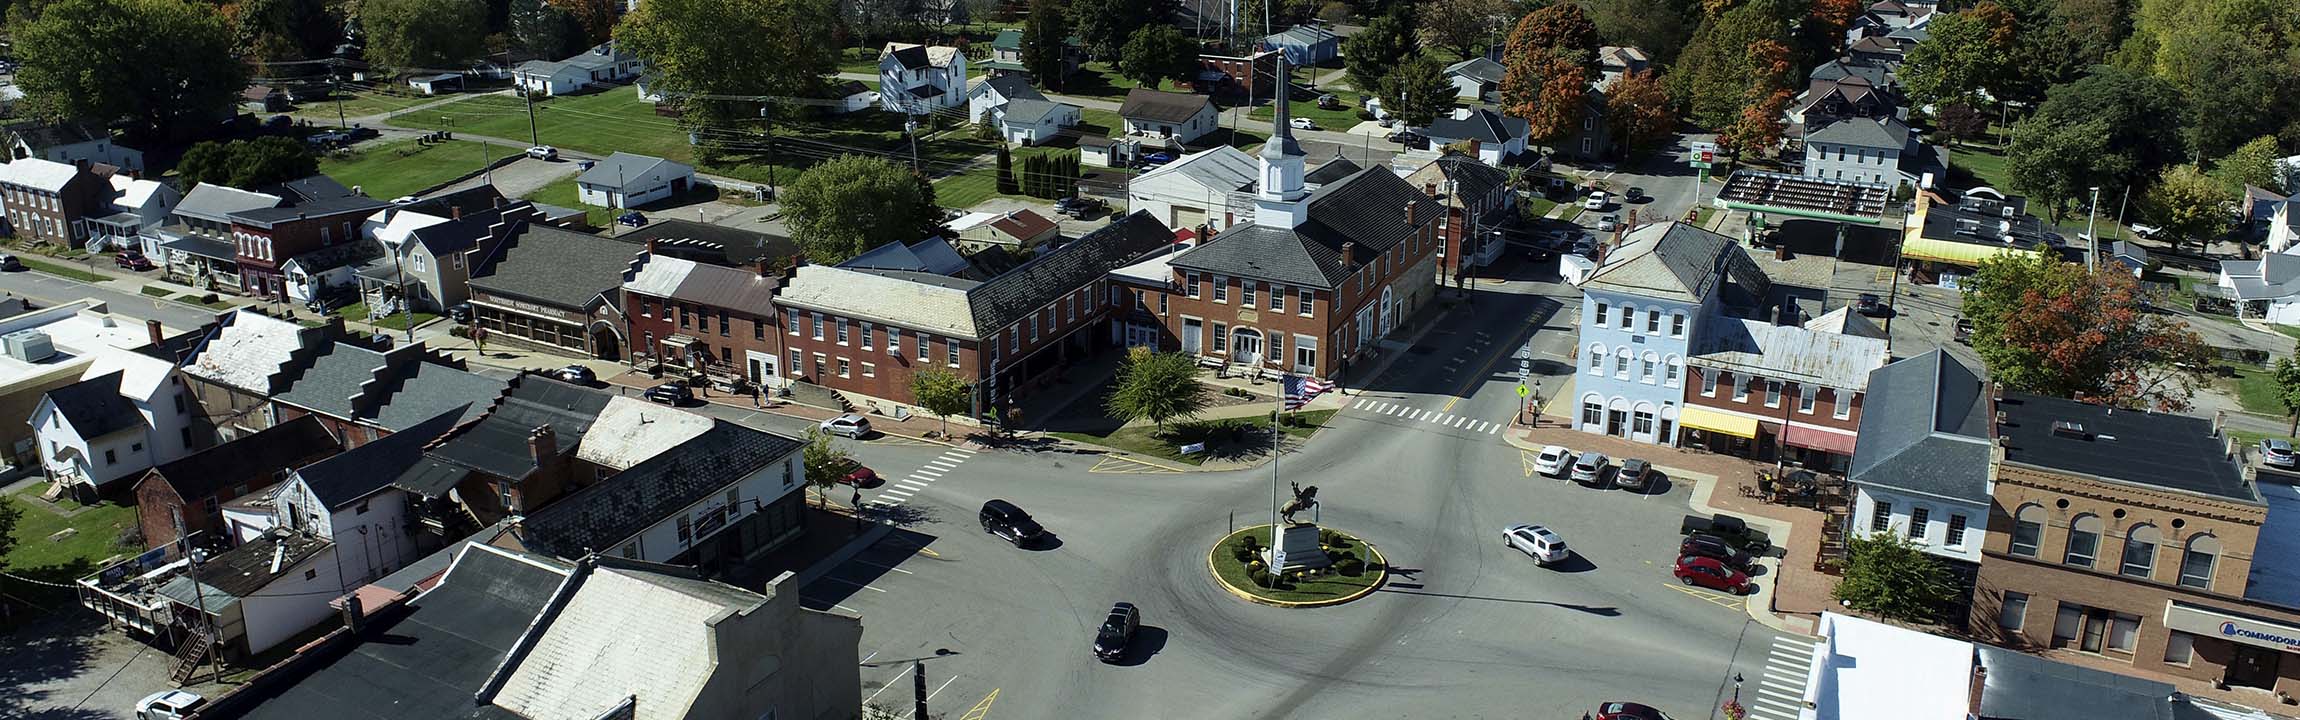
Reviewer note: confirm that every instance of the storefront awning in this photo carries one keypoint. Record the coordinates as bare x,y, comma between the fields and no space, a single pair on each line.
678,341
1817,439
1951,252
2227,625
1713,421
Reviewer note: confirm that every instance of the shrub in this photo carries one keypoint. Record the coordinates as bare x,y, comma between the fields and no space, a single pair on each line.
1260,577
1242,554
1333,539
1252,542
460,331
1350,566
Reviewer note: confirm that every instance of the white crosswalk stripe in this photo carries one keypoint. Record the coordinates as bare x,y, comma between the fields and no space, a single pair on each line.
924,476
1779,693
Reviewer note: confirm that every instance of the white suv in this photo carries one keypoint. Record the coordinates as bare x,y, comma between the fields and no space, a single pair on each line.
1553,461
1536,542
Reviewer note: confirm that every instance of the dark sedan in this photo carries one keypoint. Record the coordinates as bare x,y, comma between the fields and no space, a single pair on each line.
1711,546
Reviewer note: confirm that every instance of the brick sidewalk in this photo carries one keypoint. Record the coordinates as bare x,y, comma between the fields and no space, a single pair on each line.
1798,593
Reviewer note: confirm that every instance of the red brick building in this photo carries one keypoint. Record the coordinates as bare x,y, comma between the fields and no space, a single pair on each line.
1761,389
265,239
866,332
51,201
704,317
189,493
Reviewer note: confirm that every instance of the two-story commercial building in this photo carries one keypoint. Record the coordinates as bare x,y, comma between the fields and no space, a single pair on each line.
1768,391
553,288
266,240
1478,201
1921,470
722,498
707,318
1643,311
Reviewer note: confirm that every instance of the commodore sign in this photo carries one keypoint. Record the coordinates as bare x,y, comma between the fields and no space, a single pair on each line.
2232,630
2231,626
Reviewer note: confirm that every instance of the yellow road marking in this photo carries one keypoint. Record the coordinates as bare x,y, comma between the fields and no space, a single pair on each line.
1123,464
981,710
1526,459
929,552
1722,601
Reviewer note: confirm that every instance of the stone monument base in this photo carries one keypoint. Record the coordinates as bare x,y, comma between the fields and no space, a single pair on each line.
1297,549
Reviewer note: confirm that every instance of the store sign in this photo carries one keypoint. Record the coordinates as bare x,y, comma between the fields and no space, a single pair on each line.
2209,622
2233,630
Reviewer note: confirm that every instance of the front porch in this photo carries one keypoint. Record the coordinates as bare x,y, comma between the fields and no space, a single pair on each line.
209,265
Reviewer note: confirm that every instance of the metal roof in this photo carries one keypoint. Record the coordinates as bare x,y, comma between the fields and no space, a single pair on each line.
1677,261
1789,352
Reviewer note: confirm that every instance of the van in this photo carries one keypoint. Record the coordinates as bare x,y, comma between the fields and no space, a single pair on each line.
1003,519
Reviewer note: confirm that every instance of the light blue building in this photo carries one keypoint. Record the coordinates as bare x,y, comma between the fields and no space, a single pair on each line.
1641,311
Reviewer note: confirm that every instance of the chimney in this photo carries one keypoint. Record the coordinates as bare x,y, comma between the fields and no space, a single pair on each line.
501,201
542,445
650,246
153,326
454,212
1411,219
354,613
1473,146
1430,189
1350,249
766,265
1980,683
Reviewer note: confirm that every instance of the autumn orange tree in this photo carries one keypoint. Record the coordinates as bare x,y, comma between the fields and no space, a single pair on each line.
1760,122
2056,328
1637,107
1546,69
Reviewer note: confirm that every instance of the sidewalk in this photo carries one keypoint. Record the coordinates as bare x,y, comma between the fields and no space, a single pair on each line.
1791,596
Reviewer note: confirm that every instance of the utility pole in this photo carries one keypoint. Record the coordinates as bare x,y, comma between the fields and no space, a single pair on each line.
335,89
533,137
917,676
2091,236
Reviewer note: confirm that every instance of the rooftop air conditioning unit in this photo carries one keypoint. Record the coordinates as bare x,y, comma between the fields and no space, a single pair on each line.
28,345
2007,211
2068,428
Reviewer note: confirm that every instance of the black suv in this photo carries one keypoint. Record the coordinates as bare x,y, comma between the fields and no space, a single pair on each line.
1711,546
1003,519
670,393
1117,632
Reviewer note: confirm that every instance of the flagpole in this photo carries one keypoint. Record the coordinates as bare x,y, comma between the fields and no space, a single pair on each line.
1275,555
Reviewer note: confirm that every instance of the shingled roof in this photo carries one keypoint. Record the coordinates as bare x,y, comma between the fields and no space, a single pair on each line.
1368,209
279,447
555,267
95,407
605,515
1161,106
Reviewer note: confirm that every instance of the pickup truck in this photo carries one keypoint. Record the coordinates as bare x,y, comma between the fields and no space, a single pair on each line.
1730,529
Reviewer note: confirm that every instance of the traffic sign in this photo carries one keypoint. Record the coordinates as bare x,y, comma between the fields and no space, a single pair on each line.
1521,391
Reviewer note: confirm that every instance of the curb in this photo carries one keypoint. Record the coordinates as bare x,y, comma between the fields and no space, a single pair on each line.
1379,580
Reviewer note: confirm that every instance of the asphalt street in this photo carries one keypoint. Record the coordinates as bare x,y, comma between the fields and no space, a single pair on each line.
48,290
1466,628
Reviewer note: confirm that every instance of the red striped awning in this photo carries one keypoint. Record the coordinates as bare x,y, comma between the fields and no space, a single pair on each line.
1832,441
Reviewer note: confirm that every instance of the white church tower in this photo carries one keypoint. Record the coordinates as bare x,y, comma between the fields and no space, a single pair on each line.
1278,197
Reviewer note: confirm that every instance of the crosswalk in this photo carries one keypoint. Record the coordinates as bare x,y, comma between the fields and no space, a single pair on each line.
901,491
1441,419
1780,691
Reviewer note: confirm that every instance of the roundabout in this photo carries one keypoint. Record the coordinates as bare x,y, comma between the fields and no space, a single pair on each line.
1239,564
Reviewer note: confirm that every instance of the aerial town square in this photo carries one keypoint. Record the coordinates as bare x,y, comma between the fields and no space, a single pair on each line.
1157,359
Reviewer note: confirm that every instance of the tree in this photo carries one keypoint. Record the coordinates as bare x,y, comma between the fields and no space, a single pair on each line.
1418,92
2254,164
1711,80
2286,374
2188,204
1960,122
423,33
1888,575
167,63
539,29
1370,56
941,392
1561,26
825,464
1045,43
1964,54
246,163
1637,107
852,203
1104,26
733,48
2053,163
2138,138
2235,64
595,18
1158,387
1546,60
2055,328
1006,184
1463,26
1660,28
1759,127
1157,53
1561,105
288,30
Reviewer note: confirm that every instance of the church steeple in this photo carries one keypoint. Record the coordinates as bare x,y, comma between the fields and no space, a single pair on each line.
1279,192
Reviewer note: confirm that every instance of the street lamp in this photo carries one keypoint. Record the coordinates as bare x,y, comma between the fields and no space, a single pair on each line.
917,675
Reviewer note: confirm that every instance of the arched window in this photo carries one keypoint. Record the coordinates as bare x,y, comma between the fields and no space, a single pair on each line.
1596,359
2198,560
2028,529
1621,363
2083,540
2139,551
1650,364
1675,370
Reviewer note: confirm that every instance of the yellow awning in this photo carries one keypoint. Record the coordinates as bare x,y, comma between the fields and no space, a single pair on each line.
1713,421
1954,253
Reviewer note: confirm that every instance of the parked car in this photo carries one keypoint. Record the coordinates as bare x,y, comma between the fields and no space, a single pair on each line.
169,705
1709,572
1964,330
1302,123
577,374
10,263
460,313
859,475
2277,452
1405,137
1117,632
1077,206
1636,193
2146,231
633,218
132,260
1870,305
1553,461
670,393
1609,223
1010,523
1585,247
1634,474
543,152
1628,711
1536,542
848,425
1589,467
1155,159
1711,546
1732,530
1595,201
1329,102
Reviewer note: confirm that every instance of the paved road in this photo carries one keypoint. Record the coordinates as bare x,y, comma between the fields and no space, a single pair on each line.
48,290
1468,628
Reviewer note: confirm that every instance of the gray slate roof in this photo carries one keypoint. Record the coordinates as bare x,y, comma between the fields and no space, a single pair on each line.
1841,68
361,471
1482,125
428,389
1161,106
497,444
1472,178
1678,261
1367,208
1011,86
1888,134
94,406
2273,276
603,515
1007,298
1027,111
337,376
1479,69
260,455
562,268
1332,170
1925,428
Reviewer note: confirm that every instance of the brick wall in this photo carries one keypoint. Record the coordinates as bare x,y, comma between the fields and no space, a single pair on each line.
1824,405
726,333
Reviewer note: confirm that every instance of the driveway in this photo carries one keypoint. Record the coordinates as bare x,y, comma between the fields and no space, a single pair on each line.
520,178
71,668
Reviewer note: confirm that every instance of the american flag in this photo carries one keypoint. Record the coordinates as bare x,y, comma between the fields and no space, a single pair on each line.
1301,390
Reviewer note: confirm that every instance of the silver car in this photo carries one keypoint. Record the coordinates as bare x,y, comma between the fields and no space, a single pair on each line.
1589,467
1536,542
2277,452
848,425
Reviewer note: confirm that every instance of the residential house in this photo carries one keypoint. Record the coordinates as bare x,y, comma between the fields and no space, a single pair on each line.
136,207
264,99
1476,79
323,233
1478,201
1645,310
995,92
52,347
555,289
918,79
1494,137
1868,151
349,498
129,412
2267,289
2284,225
624,180
864,332
721,499
50,202
1844,95
1307,286
71,144
2130,255
230,605
599,65
1197,189
182,500
1615,61
2138,539
196,243
1006,56
1875,76
1020,229
1306,45
708,318
1167,119
1876,49
2257,210
428,249
1029,122
500,633
852,96
362,394
1941,238
1921,470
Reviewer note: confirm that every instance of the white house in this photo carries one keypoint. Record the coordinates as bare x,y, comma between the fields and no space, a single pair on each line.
266,590
1023,115
624,180
602,64
2267,288
1497,136
918,79
436,84
1166,119
1476,79
727,494
995,92
1197,189
137,206
2284,225
71,143
1921,470
128,413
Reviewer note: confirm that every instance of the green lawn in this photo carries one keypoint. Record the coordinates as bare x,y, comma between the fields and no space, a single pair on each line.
1096,121
1146,440
2255,389
563,193
1323,587
1571,211
978,184
391,170
378,101
1535,207
2247,437
158,291
1097,80
1985,167
1338,120
357,312
62,270
97,538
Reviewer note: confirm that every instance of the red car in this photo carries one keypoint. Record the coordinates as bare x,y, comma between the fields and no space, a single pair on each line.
860,476
1629,711
1708,572
132,260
